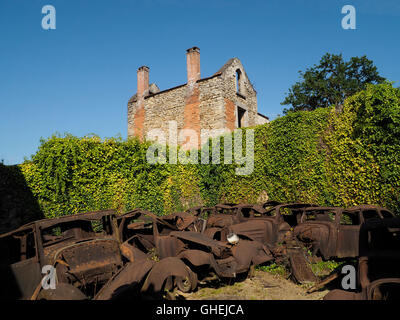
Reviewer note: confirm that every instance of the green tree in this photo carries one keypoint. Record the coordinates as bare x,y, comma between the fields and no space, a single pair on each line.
331,82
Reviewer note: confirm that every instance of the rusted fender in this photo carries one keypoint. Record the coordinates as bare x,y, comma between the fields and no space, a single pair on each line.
221,221
199,258
63,291
216,247
131,253
171,266
181,220
338,294
127,277
374,291
250,252
211,232
225,268
168,246
320,233
257,230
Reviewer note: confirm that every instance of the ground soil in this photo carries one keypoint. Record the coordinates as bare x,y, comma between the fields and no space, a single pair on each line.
262,286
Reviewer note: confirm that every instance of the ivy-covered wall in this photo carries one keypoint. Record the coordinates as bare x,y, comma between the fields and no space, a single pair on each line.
70,175
323,156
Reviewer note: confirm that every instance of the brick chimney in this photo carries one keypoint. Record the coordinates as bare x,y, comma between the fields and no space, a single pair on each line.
142,81
193,64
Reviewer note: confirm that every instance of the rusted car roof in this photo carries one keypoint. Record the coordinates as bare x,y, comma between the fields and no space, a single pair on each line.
45,223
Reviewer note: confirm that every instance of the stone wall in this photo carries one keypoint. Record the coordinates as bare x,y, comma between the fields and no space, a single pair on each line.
246,98
261,120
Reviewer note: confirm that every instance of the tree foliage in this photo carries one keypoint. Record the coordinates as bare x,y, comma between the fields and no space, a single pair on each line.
331,82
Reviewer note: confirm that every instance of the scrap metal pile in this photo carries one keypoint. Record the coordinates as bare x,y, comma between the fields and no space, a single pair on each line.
101,255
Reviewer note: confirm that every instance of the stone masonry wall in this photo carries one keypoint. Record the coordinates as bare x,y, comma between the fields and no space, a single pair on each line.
210,103
247,99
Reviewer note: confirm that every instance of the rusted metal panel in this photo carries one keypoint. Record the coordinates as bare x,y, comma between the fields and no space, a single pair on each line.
247,253
90,261
254,230
163,269
126,279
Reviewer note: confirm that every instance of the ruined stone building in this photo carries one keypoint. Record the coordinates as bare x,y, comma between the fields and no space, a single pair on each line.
225,101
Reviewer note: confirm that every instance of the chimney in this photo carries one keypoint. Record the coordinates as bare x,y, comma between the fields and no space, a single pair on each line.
193,64
142,81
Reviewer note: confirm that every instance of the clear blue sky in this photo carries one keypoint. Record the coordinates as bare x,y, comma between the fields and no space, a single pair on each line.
79,77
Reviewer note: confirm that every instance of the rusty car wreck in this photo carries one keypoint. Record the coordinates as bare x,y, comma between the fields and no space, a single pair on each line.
83,249
101,255
378,263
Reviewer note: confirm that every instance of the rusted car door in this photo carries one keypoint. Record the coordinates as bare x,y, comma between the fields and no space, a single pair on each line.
257,223
349,223
19,265
318,225
27,276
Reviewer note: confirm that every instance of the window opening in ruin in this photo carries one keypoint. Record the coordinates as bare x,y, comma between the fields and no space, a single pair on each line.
241,113
238,81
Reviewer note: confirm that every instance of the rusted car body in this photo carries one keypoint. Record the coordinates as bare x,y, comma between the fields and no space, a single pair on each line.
83,249
378,276
335,232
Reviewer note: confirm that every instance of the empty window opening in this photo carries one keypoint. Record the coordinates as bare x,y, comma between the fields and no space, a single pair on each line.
17,247
386,214
319,216
241,113
350,218
238,81
370,214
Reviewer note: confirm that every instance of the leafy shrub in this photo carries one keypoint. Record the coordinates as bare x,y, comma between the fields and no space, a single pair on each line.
69,175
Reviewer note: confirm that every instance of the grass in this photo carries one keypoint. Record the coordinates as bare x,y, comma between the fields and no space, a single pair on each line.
322,268
274,269
234,289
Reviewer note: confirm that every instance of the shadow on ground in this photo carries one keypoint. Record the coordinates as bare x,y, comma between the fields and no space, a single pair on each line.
18,206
